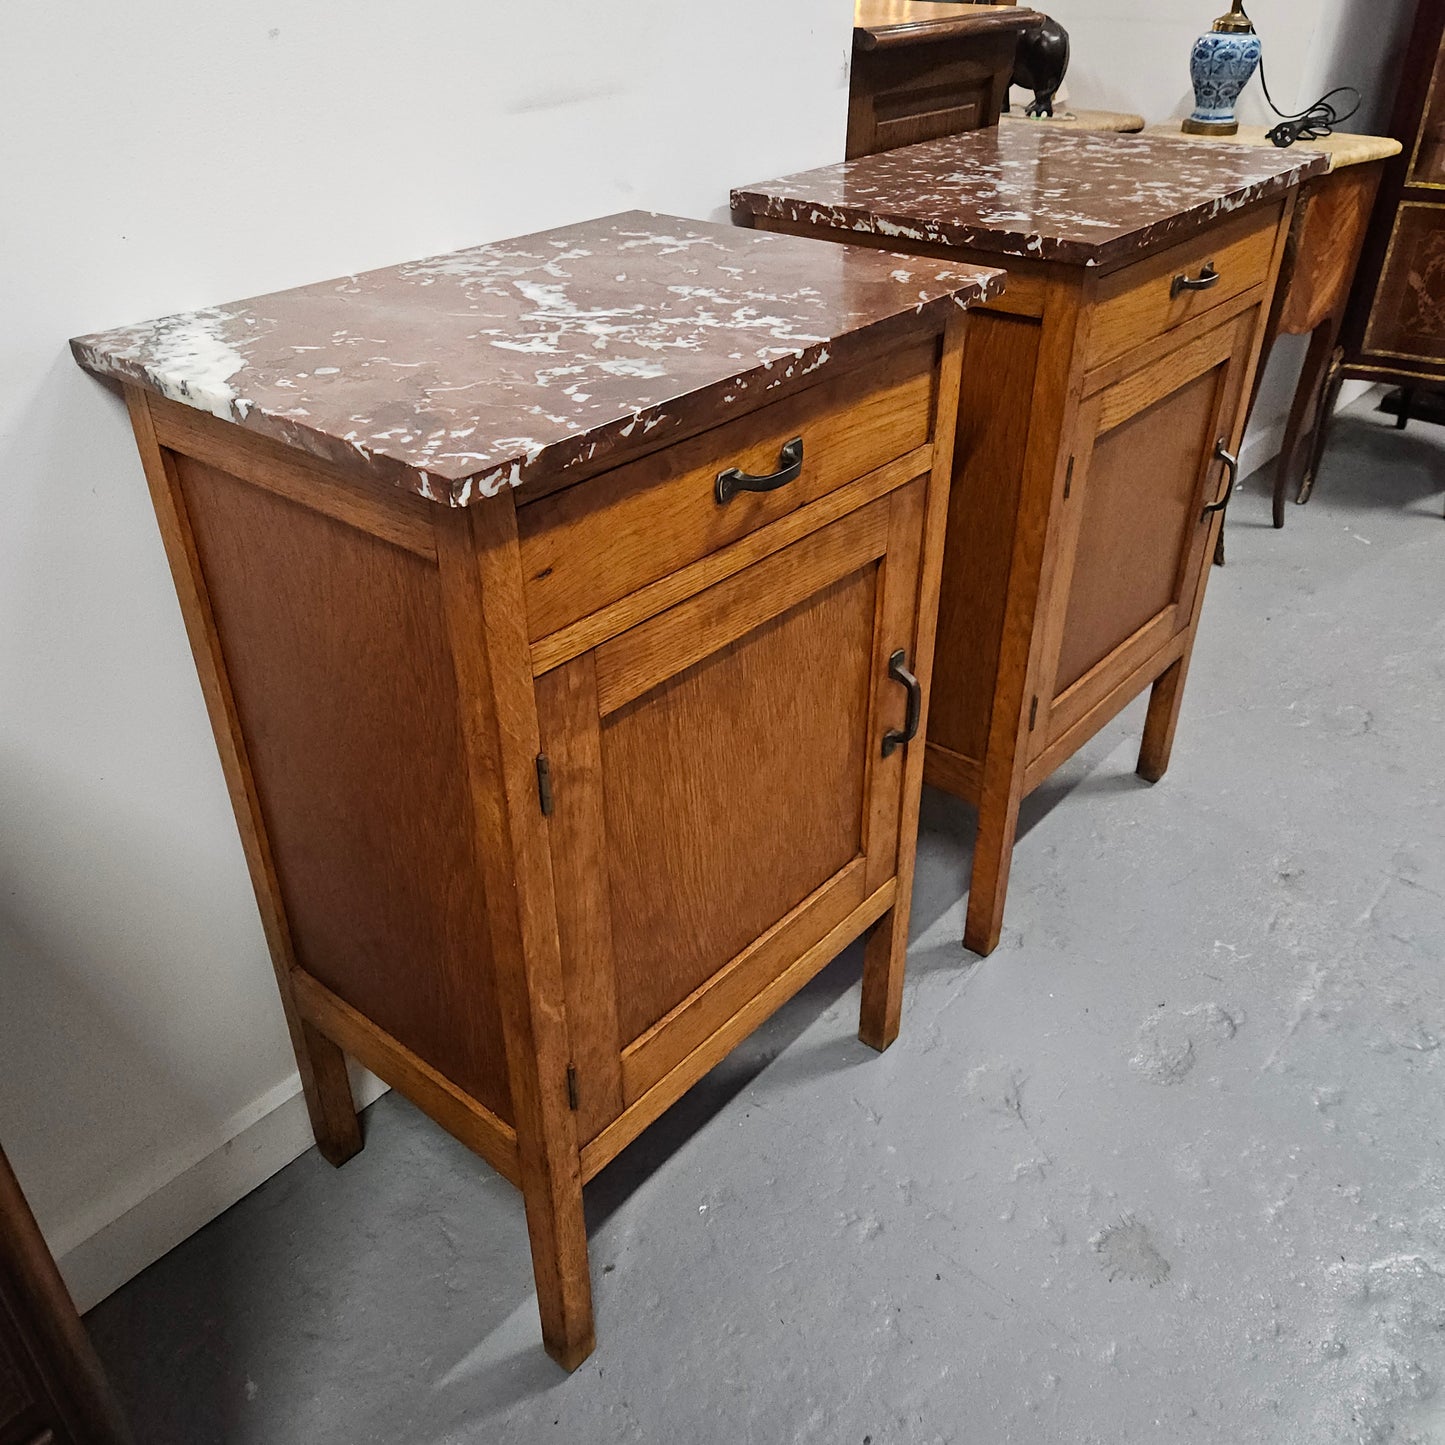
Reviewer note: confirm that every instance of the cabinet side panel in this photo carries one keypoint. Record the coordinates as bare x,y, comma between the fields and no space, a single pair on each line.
995,415
336,652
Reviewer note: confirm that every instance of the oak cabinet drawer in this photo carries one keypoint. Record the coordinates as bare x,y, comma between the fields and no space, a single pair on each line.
1141,302
591,545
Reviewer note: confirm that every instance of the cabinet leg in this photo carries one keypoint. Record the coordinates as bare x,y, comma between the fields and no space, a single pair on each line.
1407,407
327,1088
884,959
558,1233
1334,381
1306,410
993,848
1165,700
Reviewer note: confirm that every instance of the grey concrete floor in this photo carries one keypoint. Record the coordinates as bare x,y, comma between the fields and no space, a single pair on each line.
1168,1167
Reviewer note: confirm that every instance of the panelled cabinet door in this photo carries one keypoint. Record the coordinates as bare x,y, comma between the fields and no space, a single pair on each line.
675,749
1132,554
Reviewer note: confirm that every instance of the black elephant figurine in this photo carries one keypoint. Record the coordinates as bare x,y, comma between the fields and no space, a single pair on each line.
1041,64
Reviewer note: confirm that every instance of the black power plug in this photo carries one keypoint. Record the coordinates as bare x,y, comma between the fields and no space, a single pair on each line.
1315,121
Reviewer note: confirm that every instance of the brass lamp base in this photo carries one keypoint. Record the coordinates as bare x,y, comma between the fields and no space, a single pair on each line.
1210,127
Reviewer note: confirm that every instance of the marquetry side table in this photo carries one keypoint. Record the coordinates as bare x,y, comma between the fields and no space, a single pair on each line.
1326,241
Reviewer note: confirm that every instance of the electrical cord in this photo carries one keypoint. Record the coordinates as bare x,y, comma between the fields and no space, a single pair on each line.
1314,122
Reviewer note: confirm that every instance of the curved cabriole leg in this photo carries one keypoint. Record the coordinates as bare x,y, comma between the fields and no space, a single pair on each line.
1334,380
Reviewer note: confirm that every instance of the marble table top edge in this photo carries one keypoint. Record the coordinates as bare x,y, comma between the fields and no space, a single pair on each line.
662,347
974,191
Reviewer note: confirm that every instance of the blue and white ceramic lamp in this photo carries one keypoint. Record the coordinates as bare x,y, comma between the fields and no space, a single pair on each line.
1221,66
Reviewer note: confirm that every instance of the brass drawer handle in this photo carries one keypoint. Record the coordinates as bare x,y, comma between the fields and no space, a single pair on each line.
1231,470
1207,278
735,480
893,739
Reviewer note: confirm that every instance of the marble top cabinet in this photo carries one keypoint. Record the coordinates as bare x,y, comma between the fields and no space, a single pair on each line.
1100,415
565,612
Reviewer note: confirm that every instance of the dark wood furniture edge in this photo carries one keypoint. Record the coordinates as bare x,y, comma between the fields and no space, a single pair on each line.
60,1348
1410,100
954,27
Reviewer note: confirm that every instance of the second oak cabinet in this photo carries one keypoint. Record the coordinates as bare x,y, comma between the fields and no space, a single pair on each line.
1101,410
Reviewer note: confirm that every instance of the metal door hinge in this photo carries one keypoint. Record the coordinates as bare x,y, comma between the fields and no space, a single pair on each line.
544,784
1033,713
572,1087
1069,479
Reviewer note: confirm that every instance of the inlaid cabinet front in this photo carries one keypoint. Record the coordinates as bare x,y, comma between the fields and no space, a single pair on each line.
1395,328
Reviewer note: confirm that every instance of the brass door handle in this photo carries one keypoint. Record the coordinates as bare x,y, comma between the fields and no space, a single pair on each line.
1231,471
735,480
1207,278
894,739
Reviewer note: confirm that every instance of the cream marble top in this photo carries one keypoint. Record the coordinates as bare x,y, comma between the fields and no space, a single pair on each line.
1342,149
1120,122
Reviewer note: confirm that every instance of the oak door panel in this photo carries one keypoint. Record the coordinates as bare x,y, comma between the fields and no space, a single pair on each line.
674,750
770,727
1134,528
1137,517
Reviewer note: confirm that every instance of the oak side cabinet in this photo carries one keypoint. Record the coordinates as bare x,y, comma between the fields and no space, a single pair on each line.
565,609
1100,415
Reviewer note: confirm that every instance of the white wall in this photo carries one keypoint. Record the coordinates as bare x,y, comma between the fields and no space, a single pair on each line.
1133,55
166,154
